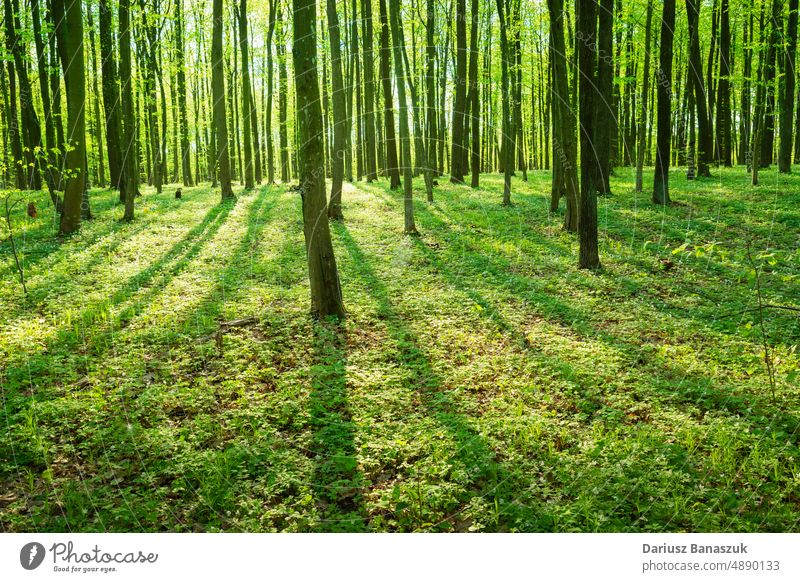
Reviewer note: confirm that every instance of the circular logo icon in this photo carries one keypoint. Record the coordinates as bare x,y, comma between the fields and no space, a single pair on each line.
31,555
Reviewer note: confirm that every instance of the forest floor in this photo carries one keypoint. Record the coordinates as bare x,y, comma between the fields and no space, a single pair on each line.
481,382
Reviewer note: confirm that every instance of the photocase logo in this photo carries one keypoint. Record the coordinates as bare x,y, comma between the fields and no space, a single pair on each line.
31,555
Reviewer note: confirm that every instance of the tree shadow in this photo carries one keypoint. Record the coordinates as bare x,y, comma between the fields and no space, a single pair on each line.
488,478
338,483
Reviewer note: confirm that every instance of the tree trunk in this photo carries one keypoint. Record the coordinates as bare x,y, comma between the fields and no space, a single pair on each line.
787,93
249,166
326,293
273,7
218,96
75,83
339,113
641,124
392,166
460,81
507,151
724,87
589,257
186,156
664,135
369,92
405,134
705,149
474,94
605,112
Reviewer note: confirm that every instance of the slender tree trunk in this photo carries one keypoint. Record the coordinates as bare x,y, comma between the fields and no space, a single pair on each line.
507,151
457,144
218,96
664,76
430,83
723,87
283,98
565,169
787,93
641,123
249,169
186,156
339,113
129,171
705,149
605,77
369,92
589,257
474,94
273,7
98,134
405,134
51,171
392,165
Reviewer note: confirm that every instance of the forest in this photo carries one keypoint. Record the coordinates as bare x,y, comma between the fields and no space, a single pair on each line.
399,265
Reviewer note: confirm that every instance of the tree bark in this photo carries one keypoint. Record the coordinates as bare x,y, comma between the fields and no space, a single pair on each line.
705,149
339,113
787,93
392,165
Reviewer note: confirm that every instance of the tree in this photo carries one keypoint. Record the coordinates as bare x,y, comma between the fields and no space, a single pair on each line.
664,91
71,37
369,92
474,97
589,257
705,149
186,160
129,185
392,165
51,170
326,294
606,112
787,93
218,96
339,113
270,84
244,42
507,150
430,82
565,169
724,87
641,122
405,134
457,155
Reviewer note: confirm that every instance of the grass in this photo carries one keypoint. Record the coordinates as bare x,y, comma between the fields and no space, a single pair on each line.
481,382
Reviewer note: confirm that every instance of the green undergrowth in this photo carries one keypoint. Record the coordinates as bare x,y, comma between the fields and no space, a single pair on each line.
480,382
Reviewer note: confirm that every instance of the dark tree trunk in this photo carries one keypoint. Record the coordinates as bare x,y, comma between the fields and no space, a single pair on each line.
723,87
339,113
460,81
565,156
218,96
507,151
249,166
664,80
604,131
641,123
75,82
589,257
392,166
273,7
129,171
705,149
369,92
474,85
787,93
186,161
430,83
283,98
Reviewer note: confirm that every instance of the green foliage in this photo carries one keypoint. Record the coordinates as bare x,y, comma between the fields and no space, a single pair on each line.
480,383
